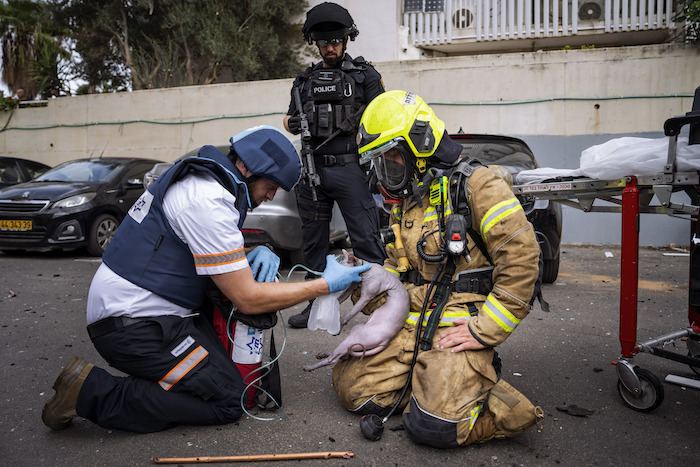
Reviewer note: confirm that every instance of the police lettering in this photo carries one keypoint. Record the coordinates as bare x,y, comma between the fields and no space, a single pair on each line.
327,85
324,89
333,103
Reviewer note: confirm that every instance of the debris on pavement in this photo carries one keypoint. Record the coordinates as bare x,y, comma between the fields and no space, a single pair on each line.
575,410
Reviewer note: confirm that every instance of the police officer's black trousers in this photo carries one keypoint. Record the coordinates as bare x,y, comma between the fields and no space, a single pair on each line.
345,185
179,374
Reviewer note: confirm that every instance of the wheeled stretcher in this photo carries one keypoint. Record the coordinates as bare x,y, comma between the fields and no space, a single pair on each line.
640,389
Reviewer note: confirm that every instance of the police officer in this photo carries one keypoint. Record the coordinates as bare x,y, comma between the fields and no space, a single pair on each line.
183,230
333,94
468,258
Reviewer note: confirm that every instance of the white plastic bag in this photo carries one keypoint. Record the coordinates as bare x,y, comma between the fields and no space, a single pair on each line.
325,313
624,156
620,157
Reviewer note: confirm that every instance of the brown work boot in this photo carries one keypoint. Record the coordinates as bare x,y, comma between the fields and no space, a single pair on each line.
60,409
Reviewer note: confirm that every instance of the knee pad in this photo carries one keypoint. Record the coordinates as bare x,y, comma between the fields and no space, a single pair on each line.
423,428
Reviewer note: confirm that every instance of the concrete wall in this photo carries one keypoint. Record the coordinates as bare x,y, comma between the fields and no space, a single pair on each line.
559,101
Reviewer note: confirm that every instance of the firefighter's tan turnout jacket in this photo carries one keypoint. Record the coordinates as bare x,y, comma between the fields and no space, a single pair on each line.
510,240
459,389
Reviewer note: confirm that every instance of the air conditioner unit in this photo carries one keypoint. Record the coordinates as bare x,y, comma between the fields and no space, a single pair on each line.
462,18
591,10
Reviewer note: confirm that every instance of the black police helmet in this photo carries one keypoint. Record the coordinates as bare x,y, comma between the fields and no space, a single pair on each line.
328,19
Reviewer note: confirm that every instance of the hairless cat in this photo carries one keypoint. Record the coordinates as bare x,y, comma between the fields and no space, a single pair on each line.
383,324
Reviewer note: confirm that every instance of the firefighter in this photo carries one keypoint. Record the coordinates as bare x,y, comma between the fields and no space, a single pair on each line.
468,258
333,94
183,230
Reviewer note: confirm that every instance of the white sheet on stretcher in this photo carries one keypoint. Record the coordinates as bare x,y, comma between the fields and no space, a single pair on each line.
620,157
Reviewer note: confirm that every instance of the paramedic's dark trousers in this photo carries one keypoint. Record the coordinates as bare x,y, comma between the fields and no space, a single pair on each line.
180,374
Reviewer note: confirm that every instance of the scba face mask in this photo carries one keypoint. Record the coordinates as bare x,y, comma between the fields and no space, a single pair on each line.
394,166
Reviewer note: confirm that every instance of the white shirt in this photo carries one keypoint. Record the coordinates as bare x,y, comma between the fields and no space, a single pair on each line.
203,214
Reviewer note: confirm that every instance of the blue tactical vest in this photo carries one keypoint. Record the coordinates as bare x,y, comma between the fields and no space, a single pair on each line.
146,251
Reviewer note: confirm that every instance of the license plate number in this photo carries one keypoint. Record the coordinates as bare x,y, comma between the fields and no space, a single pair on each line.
15,225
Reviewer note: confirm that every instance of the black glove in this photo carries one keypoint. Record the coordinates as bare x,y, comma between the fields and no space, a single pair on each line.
294,124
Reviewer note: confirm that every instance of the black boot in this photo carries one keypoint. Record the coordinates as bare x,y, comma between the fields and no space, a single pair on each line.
302,319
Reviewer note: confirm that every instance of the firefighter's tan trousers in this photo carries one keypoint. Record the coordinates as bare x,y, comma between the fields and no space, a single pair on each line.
447,394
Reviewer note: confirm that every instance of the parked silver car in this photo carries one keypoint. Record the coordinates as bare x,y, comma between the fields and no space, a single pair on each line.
275,222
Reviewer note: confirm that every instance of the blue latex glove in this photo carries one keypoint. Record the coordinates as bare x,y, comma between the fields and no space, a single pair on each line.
340,277
264,264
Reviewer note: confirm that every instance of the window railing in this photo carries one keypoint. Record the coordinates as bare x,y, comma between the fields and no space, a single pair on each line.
444,21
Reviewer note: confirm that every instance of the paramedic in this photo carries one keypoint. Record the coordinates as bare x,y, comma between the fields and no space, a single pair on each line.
183,230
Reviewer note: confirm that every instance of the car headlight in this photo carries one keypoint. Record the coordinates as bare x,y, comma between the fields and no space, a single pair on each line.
74,201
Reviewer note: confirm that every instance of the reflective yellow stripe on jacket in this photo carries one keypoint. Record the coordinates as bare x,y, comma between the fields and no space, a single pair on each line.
500,314
432,215
497,213
473,415
448,317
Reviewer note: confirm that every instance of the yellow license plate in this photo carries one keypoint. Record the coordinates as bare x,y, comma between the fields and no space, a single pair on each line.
15,225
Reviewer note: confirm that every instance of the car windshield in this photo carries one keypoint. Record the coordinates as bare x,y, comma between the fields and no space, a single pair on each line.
81,171
510,155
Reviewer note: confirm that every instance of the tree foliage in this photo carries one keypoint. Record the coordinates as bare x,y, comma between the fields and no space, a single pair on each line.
162,43
32,51
689,13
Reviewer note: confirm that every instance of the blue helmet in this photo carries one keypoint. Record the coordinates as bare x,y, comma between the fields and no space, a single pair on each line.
268,153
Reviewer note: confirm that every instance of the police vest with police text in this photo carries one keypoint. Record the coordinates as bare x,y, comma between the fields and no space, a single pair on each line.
333,106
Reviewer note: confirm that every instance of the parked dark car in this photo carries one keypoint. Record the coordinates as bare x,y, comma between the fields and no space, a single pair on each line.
14,170
76,204
514,155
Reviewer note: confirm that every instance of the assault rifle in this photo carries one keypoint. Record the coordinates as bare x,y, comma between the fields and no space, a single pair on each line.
308,173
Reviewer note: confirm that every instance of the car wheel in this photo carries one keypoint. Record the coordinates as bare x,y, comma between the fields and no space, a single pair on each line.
101,233
550,270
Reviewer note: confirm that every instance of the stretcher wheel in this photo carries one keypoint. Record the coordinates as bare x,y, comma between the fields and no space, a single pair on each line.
651,395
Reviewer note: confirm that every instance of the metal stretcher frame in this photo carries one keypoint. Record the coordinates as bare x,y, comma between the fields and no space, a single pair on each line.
640,389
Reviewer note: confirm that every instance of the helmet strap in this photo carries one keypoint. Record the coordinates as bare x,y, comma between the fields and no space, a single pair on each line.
247,180
415,193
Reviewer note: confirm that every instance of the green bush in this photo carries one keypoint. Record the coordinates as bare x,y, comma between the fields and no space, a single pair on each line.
7,103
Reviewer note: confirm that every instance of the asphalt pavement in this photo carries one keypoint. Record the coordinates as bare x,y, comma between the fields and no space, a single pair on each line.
558,359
